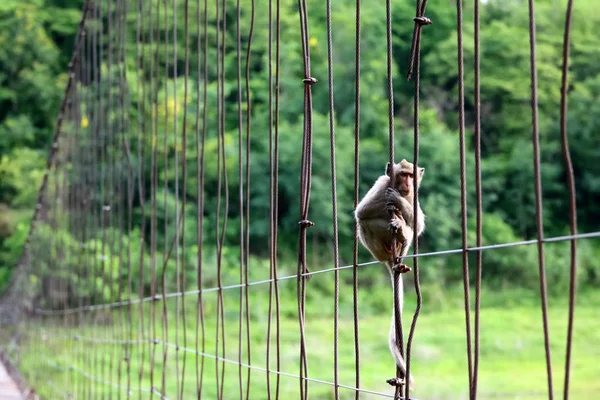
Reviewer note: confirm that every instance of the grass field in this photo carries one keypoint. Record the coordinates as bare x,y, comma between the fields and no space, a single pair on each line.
512,364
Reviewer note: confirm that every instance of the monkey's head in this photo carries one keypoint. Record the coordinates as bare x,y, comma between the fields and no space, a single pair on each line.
404,174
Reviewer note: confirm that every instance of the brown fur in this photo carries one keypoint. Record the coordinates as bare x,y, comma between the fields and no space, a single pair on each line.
376,227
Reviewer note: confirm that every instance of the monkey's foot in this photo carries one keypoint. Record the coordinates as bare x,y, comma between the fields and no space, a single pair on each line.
395,382
304,276
306,223
401,268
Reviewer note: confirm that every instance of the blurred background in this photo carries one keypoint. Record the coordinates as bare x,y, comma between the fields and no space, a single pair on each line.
36,43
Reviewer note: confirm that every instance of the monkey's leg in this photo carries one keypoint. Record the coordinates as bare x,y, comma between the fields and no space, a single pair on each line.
376,236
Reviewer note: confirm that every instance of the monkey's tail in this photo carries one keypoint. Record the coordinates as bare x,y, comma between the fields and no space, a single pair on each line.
393,344
395,350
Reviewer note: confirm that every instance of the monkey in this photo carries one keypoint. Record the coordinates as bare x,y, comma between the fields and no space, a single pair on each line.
387,209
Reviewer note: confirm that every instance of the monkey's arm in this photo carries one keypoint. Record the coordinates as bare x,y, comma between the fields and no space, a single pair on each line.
373,205
392,196
405,209
420,221
400,205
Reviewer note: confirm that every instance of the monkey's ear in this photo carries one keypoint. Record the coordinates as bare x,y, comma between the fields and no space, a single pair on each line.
421,171
403,161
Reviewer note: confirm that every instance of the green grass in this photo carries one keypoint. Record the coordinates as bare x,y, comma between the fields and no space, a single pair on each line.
512,364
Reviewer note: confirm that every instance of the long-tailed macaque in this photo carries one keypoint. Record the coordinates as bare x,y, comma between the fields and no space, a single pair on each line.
384,211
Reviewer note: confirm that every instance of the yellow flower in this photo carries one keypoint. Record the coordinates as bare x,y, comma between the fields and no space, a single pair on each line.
313,41
171,106
84,122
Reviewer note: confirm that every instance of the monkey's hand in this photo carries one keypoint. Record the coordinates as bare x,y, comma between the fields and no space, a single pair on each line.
392,195
393,201
397,225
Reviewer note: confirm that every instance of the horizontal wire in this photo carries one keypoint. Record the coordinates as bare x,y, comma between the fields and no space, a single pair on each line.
88,375
102,340
272,371
212,356
56,389
589,235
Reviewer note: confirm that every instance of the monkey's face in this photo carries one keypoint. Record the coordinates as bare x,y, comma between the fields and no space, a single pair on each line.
405,182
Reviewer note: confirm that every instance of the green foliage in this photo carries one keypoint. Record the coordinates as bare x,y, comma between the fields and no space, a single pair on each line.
17,172
37,38
82,254
12,245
